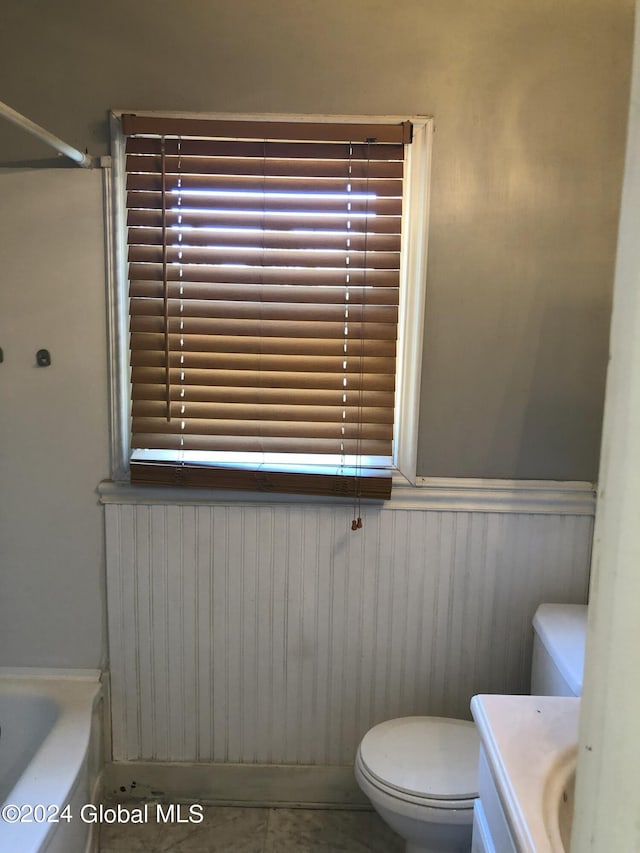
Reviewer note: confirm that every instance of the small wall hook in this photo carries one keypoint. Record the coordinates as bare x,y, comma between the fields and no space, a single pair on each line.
43,358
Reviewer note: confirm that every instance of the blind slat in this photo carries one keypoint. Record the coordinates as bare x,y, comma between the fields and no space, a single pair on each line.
341,413
270,205
294,293
260,257
247,236
259,394
197,331
258,428
152,182
289,168
290,346
262,362
282,222
250,310
269,275
262,444
296,377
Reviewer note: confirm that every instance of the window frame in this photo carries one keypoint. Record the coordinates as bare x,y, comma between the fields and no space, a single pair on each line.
413,273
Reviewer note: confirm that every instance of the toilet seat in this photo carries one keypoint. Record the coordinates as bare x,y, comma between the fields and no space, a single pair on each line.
418,802
431,761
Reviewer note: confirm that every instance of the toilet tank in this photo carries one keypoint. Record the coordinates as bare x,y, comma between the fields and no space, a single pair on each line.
558,649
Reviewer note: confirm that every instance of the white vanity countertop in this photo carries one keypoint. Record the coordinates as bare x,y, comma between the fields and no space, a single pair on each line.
524,738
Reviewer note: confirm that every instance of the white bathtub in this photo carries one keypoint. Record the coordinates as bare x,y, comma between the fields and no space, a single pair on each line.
50,760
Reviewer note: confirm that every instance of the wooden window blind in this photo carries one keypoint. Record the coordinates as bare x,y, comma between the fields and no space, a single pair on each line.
264,271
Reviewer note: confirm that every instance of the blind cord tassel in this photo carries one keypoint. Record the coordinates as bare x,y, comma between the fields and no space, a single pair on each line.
356,524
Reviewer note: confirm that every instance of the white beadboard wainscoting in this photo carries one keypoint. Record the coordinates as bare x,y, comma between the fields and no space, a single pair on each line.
268,633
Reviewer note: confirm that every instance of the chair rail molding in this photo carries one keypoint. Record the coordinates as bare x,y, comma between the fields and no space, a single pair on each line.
430,493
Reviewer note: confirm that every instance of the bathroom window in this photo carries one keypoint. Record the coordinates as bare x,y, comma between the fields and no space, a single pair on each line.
275,275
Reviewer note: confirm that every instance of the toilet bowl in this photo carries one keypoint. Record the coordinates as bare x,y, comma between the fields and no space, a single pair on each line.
420,773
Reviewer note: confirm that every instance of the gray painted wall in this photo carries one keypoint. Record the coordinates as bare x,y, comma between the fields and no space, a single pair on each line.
530,100
53,420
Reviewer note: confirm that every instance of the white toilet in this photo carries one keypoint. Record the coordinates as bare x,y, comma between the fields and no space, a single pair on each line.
420,773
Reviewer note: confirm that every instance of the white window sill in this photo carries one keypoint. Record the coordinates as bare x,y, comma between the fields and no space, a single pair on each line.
444,494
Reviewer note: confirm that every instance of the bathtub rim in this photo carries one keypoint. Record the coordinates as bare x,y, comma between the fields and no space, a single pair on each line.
78,694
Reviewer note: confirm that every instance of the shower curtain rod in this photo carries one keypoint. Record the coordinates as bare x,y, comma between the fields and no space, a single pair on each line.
31,127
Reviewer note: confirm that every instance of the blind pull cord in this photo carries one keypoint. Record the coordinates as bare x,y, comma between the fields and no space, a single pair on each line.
356,524
181,305
165,282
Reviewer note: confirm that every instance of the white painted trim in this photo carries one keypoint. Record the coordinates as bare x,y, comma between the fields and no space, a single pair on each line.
319,786
415,239
117,310
607,803
442,494
483,495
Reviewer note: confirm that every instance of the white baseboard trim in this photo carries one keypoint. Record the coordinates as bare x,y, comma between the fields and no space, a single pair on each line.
266,785
443,494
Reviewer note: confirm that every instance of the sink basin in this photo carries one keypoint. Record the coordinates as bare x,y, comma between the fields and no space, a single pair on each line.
559,800
530,748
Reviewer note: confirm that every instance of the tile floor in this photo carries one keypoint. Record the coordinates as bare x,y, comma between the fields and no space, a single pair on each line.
255,830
